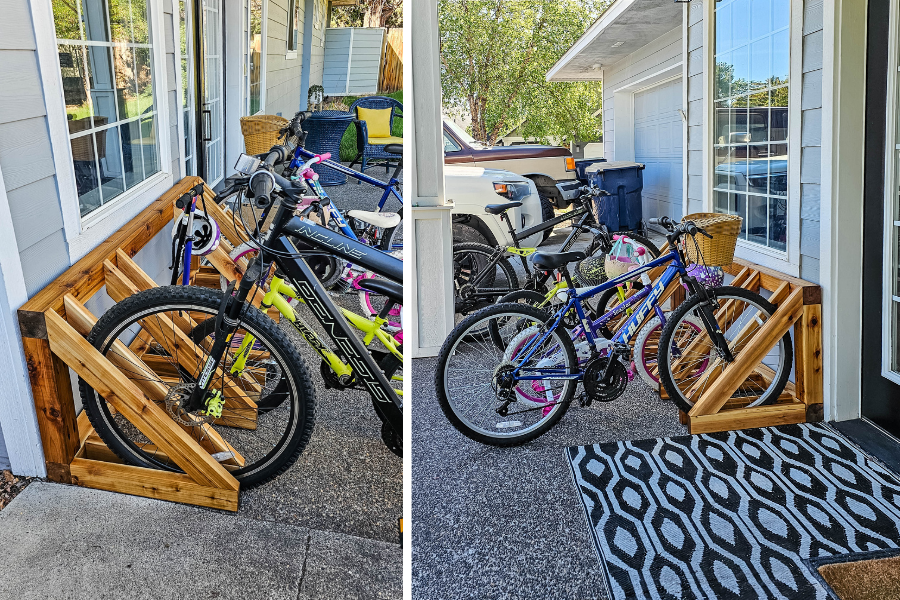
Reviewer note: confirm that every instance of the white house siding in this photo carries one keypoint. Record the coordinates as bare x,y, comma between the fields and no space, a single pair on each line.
282,74
811,140
25,155
661,53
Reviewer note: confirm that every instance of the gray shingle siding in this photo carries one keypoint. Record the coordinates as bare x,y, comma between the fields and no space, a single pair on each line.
696,103
283,75
25,153
811,140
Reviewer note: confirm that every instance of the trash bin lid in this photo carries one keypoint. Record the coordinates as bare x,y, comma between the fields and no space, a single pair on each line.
333,115
612,166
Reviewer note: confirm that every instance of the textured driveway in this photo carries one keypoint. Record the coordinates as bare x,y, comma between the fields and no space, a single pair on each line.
506,523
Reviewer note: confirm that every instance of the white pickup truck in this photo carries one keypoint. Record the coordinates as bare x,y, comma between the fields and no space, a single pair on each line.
470,189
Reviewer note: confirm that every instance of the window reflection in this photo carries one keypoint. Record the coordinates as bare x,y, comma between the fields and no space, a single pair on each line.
752,57
107,76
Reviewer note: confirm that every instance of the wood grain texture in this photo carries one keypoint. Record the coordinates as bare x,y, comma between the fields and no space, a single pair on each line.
54,403
127,398
85,277
746,418
150,483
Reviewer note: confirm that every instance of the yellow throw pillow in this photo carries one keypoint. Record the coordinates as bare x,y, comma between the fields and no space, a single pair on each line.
378,120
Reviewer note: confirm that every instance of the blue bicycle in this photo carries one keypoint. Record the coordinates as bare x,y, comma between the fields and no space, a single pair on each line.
516,385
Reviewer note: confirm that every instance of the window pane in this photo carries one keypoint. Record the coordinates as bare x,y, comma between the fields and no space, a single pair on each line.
120,20
108,90
66,19
760,18
126,86
109,153
84,162
132,155
143,79
75,85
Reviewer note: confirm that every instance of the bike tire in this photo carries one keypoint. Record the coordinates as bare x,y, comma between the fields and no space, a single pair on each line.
392,239
547,213
453,348
298,425
475,251
673,382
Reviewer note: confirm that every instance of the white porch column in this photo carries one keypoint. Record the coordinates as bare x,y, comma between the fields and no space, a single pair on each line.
432,286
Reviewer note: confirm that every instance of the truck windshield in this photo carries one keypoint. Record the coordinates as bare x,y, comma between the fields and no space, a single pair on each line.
461,134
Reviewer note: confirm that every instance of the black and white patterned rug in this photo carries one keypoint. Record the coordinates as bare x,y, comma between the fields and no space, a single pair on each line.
733,514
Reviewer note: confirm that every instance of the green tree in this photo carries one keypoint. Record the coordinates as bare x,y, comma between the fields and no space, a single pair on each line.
494,58
369,13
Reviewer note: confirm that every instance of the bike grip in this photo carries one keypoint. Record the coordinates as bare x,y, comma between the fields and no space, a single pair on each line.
183,201
261,184
653,221
325,156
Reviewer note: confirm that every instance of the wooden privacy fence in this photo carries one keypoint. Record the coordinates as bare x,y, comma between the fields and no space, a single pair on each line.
54,324
390,79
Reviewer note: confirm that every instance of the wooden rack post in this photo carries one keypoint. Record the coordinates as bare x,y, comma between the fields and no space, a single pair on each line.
53,324
798,307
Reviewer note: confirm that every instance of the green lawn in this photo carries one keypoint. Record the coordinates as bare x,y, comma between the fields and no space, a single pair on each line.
348,142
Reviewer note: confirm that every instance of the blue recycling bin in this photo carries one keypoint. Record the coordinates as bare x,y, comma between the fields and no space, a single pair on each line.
624,181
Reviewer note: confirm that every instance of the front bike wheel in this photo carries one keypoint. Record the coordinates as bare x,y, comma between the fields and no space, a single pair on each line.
255,445
474,379
689,362
392,239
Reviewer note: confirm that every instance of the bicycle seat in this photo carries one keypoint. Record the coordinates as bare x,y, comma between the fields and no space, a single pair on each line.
384,220
496,209
392,290
547,261
394,149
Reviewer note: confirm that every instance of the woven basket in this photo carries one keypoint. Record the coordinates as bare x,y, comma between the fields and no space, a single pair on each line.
717,251
261,132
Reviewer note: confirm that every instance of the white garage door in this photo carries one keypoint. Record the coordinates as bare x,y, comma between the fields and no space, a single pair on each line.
658,144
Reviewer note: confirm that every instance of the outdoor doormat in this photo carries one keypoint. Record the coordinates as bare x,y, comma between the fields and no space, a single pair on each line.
860,575
732,514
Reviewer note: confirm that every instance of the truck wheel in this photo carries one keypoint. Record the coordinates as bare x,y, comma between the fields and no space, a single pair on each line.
547,213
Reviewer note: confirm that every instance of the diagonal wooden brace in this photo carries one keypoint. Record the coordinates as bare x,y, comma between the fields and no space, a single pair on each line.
146,379
128,399
767,336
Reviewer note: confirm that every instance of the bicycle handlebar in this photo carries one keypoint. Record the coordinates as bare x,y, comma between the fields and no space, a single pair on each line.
676,230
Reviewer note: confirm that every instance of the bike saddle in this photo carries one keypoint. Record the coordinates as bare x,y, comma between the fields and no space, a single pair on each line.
547,261
496,209
384,220
394,149
392,290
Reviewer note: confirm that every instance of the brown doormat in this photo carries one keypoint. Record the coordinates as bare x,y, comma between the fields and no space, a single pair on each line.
877,579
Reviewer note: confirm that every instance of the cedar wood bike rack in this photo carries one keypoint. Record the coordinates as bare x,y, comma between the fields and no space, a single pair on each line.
53,324
798,305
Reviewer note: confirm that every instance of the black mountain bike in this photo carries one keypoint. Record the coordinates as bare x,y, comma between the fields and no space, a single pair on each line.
243,381
483,274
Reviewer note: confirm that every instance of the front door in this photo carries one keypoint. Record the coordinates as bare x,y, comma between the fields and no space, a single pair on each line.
880,377
213,96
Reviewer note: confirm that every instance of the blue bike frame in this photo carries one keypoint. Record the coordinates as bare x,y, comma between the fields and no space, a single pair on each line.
625,333
301,155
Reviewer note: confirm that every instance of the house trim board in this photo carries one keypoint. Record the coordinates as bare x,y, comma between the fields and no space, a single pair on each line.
18,417
890,196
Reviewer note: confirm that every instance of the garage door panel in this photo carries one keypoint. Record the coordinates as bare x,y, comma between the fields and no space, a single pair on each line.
658,136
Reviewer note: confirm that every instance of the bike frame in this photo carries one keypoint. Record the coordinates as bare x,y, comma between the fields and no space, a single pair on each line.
391,188
626,332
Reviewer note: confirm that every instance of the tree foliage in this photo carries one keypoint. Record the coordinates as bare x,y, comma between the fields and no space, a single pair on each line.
494,58
369,13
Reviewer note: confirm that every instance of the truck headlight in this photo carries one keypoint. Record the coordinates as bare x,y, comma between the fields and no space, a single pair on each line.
512,190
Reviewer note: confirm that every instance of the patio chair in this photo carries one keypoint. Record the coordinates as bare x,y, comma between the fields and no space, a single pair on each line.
373,130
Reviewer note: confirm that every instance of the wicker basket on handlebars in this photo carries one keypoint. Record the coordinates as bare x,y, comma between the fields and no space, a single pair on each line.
717,251
261,132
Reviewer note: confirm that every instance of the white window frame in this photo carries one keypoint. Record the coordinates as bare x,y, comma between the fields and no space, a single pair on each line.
891,193
263,59
787,261
292,54
83,234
